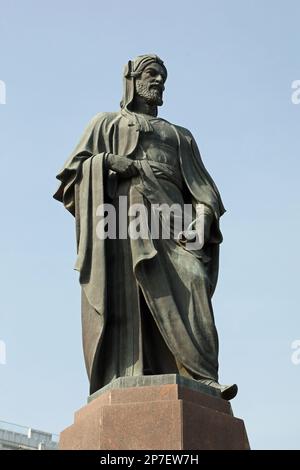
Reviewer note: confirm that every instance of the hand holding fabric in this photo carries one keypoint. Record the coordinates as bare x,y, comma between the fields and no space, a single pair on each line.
124,166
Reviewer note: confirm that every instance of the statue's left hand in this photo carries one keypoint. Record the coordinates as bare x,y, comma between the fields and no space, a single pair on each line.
196,238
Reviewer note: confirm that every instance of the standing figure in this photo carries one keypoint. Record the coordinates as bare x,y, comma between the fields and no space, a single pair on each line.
146,300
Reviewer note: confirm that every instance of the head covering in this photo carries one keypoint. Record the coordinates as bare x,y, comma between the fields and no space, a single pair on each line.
133,69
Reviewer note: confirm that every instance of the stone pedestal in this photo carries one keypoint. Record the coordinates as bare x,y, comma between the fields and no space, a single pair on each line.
167,412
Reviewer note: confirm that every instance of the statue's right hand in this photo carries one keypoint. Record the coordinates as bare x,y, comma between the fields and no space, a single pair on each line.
124,166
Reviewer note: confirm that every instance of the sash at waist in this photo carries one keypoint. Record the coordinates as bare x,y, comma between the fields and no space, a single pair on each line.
166,171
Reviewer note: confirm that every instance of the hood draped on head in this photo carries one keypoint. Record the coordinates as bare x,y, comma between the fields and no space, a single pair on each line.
133,69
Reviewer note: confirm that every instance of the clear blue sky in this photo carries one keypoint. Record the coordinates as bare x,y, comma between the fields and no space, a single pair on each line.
231,65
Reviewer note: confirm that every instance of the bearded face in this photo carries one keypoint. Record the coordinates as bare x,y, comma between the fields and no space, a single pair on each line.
152,94
150,85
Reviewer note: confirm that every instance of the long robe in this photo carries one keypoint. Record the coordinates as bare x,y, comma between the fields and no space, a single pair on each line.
85,185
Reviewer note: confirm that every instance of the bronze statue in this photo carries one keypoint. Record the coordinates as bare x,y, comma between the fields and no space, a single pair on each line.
146,301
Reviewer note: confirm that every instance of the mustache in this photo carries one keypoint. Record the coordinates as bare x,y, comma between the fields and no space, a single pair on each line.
158,86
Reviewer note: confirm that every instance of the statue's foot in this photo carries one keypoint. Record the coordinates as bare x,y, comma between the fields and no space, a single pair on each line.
228,392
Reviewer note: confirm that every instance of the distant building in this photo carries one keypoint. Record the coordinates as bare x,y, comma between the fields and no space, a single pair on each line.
15,437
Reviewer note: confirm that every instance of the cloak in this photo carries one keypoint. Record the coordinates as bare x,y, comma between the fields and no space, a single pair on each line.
85,184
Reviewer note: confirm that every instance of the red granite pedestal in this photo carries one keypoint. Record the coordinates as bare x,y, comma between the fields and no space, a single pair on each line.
155,417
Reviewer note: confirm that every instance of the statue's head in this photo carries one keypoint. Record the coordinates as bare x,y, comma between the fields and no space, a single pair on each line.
144,76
